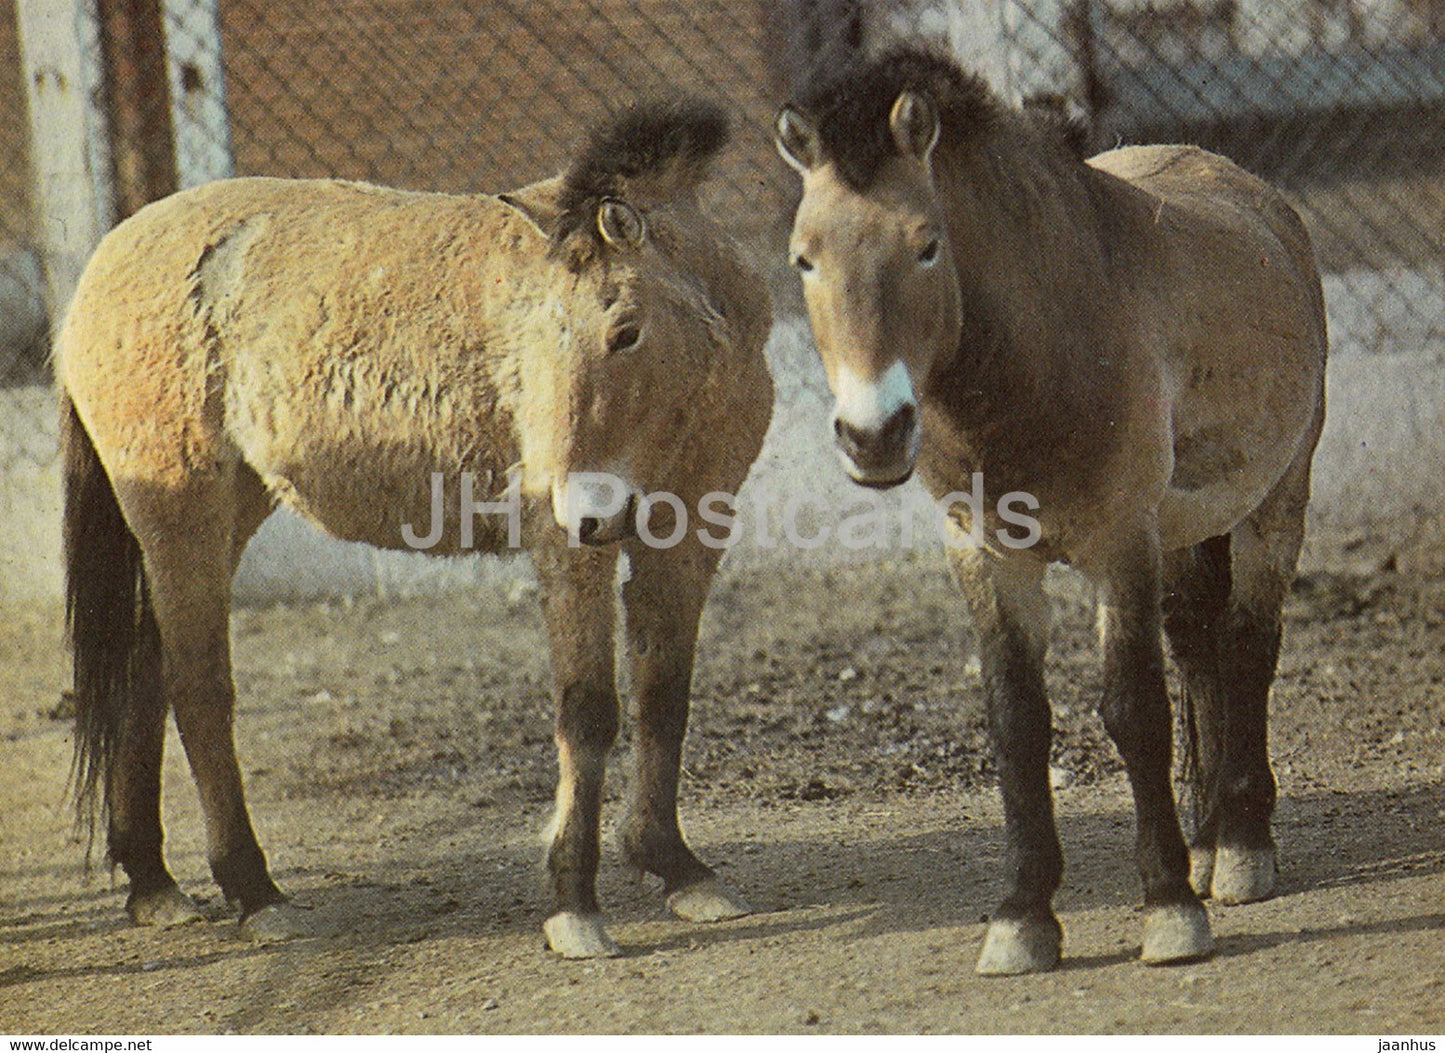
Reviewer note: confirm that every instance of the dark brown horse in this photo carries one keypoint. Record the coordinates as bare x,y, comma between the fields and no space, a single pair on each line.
1138,342
343,349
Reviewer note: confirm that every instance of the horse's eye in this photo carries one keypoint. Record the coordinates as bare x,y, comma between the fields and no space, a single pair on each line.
929,255
624,338
803,263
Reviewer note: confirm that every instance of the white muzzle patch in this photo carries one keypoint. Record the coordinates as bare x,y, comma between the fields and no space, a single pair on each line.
869,403
875,422
592,504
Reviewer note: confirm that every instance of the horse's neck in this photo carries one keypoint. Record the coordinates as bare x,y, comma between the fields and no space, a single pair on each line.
1035,350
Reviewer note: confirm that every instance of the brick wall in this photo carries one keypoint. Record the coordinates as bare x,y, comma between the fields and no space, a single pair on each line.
465,95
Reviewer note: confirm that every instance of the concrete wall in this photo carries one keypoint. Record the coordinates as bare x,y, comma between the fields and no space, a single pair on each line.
1380,468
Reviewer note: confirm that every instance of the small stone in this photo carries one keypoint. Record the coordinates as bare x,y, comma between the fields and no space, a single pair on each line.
521,591
846,674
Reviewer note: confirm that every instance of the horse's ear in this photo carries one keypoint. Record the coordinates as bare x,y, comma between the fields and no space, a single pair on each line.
621,225
915,126
796,139
538,204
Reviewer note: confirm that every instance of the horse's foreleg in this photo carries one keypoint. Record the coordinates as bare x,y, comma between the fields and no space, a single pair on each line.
577,598
1136,713
663,602
1011,617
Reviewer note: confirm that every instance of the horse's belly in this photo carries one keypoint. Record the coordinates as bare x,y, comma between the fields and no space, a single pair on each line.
427,509
385,457
1187,517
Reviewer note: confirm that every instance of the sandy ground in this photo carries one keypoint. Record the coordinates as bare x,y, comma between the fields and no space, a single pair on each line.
399,764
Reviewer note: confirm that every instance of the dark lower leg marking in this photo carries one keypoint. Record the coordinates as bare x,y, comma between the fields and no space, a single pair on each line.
245,878
1021,727
587,724
652,839
1136,713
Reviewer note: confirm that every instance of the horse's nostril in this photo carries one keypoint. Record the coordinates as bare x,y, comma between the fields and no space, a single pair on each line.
851,439
887,441
899,426
587,527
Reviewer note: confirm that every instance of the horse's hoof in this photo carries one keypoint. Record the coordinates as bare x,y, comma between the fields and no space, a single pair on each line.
164,909
277,923
1176,933
1020,945
1201,870
707,900
1243,875
575,935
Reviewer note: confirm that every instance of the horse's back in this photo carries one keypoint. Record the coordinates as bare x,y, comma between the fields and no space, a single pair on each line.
317,330
1228,290
1215,193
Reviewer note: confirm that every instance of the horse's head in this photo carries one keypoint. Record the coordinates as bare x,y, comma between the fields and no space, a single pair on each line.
639,332
872,241
880,283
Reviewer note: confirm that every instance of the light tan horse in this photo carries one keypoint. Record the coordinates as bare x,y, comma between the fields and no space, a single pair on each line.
374,360
1138,343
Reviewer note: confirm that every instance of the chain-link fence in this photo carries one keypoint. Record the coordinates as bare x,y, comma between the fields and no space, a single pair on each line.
22,312
1340,102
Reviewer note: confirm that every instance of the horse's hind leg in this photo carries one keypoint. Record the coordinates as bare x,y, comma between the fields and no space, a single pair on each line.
133,796
663,601
1196,618
192,539
578,602
1011,617
120,706
1234,789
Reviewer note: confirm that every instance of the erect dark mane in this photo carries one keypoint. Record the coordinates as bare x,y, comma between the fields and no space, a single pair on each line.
1062,118
663,145
850,107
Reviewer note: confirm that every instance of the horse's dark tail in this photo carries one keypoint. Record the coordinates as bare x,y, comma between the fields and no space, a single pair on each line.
109,621
1191,770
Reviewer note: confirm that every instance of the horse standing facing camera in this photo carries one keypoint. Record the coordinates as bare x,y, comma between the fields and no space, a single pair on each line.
335,347
1138,341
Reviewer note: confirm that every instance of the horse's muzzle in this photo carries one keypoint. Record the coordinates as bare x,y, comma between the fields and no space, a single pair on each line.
880,457
595,508
607,530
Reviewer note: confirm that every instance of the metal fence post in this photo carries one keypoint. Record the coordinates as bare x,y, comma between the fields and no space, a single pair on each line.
198,92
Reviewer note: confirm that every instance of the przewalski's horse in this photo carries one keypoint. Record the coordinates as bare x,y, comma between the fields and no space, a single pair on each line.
330,346
1138,341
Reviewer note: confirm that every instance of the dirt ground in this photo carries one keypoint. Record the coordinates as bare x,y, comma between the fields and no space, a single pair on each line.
400,764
